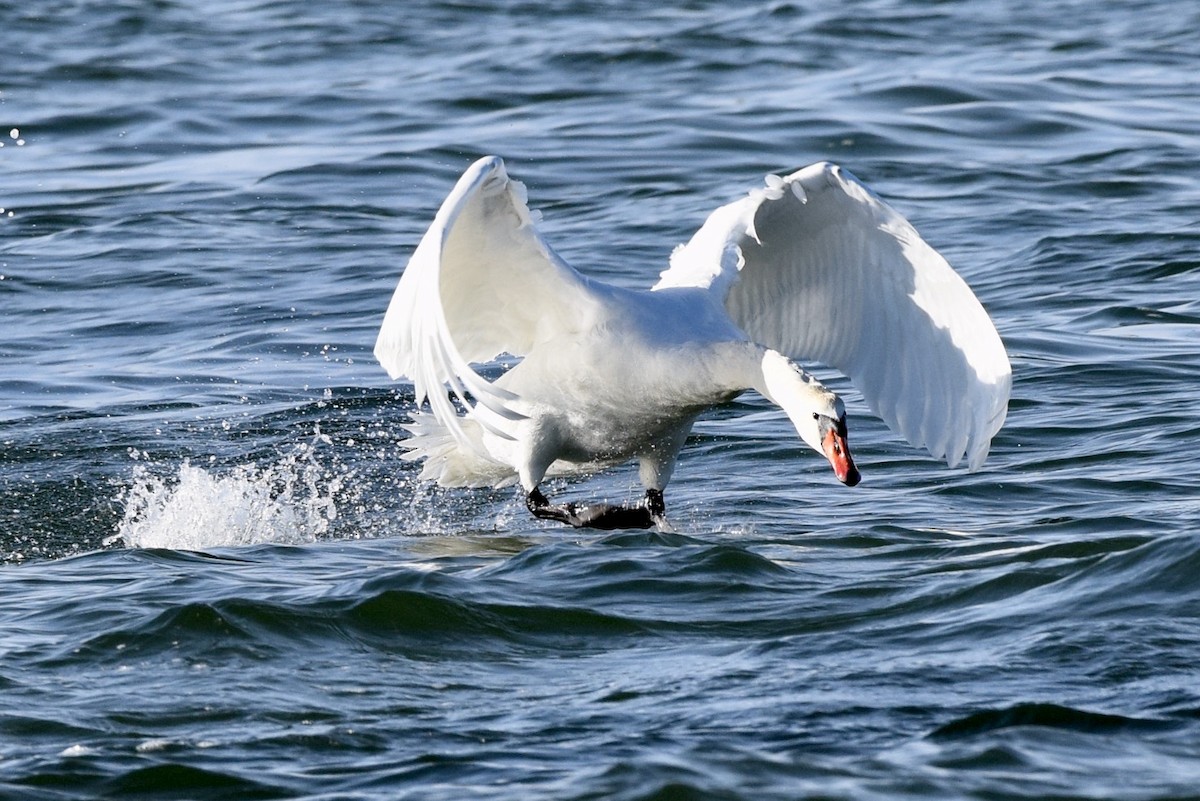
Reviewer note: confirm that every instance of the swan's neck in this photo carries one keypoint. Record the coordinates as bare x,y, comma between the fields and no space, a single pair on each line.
801,396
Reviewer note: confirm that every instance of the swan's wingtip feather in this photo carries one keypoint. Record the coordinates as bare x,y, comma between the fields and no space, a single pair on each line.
390,353
820,171
486,164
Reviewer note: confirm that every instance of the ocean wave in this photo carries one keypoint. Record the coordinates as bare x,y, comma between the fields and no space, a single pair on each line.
1054,716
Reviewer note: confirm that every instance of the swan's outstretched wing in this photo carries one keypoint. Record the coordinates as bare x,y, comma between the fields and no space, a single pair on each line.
817,267
481,282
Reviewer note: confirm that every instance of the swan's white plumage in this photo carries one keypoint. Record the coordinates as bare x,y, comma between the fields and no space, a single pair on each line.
813,266
819,268
481,282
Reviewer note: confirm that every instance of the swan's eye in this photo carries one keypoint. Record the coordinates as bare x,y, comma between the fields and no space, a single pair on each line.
816,416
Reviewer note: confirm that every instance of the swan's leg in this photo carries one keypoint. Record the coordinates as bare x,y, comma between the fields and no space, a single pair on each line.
540,506
646,514
658,510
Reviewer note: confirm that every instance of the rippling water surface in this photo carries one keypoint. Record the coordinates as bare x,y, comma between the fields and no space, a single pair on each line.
220,580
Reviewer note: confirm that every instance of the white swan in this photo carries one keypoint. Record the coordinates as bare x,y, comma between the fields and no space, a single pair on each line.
814,266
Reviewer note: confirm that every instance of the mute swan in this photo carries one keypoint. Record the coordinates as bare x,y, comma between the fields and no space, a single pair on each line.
812,266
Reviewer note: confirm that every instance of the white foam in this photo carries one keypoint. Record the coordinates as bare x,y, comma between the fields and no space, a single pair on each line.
292,501
77,750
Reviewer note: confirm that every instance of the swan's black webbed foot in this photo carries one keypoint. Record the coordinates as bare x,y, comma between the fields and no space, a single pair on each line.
646,514
541,507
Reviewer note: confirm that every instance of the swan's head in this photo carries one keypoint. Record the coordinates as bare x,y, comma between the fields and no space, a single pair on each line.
817,413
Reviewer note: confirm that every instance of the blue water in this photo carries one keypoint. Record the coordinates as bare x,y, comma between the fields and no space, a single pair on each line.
220,581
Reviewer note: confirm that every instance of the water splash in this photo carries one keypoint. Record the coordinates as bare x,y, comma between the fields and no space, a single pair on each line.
295,500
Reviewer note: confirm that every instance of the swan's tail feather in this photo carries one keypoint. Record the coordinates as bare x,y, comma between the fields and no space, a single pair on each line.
446,459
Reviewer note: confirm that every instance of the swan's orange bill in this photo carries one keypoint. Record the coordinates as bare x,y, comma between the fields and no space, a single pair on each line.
837,451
